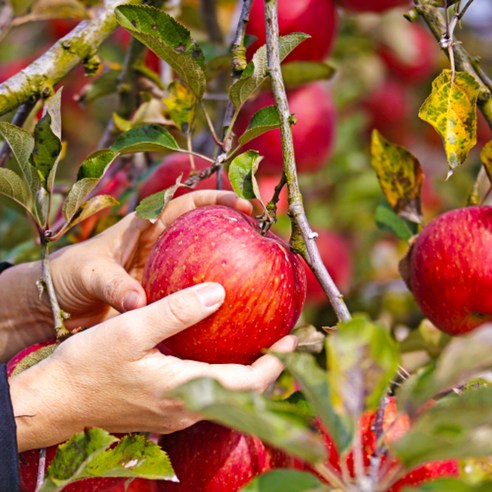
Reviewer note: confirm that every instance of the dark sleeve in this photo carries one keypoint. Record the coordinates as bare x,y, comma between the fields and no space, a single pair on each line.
9,461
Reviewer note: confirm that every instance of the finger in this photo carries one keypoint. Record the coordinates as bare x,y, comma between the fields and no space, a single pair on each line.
172,314
111,284
256,377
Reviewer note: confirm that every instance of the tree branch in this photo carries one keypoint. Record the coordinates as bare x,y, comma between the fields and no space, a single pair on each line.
303,238
80,45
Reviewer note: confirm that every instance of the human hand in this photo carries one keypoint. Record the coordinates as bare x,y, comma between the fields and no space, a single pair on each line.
112,376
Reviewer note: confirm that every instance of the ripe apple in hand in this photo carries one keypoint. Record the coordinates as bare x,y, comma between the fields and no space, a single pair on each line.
450,269
171,168
264,281
313,133
393,427
208,457
314,17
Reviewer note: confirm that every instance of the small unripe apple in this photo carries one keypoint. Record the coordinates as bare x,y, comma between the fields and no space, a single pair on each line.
313,133
208,457
171,168
314,17
372,5
449,270
264,281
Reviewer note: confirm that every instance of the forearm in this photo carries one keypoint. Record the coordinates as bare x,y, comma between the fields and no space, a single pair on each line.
25,316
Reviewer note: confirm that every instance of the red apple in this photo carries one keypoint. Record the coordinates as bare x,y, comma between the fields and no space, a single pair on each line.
450,269
373,5
173,166
393,426
313,133
264,281
416,56
208,457
334,252
314,17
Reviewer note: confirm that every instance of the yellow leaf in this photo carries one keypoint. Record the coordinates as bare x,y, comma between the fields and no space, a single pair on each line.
451,110
486,158
400,176
181,104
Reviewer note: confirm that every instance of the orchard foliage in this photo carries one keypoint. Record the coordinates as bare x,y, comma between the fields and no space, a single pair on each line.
109,107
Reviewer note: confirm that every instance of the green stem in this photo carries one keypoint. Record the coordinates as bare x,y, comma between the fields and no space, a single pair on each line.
303,238
38,79
48,286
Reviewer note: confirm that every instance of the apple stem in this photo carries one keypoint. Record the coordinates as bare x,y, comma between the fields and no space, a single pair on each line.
462,59
302,238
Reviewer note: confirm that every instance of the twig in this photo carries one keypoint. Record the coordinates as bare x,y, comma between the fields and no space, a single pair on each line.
41,469
303,238
19,119
37,80
47,284
464,62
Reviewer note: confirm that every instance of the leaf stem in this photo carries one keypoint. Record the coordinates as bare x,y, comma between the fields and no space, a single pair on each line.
303,238
41,469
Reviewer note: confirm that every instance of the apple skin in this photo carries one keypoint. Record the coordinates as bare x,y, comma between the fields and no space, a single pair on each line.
313,134
421,62
264,281
394,426
208,457
450,269
314,17
334,252
169,170
372,5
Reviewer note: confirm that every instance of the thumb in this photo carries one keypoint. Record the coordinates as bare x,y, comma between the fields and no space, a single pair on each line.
117,288
176,312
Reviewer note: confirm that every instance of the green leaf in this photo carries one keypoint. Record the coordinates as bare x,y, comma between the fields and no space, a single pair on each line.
264,120
152,206
298,73
242,170
286,481
458,426
76,196
15,188
362,359
400,176
105,85
86,455
257,69
169,39
53,107
462,359
451,110
21,144
133,456
145,138
276,422
181,104
314,386
387,220
96,164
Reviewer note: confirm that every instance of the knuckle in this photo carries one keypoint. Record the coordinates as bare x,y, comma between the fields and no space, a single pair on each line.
178,310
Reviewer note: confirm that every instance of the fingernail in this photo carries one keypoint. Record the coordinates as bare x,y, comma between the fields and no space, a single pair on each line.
131,300
211,294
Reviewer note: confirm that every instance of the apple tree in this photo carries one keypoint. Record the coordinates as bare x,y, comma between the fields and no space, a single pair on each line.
362,133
